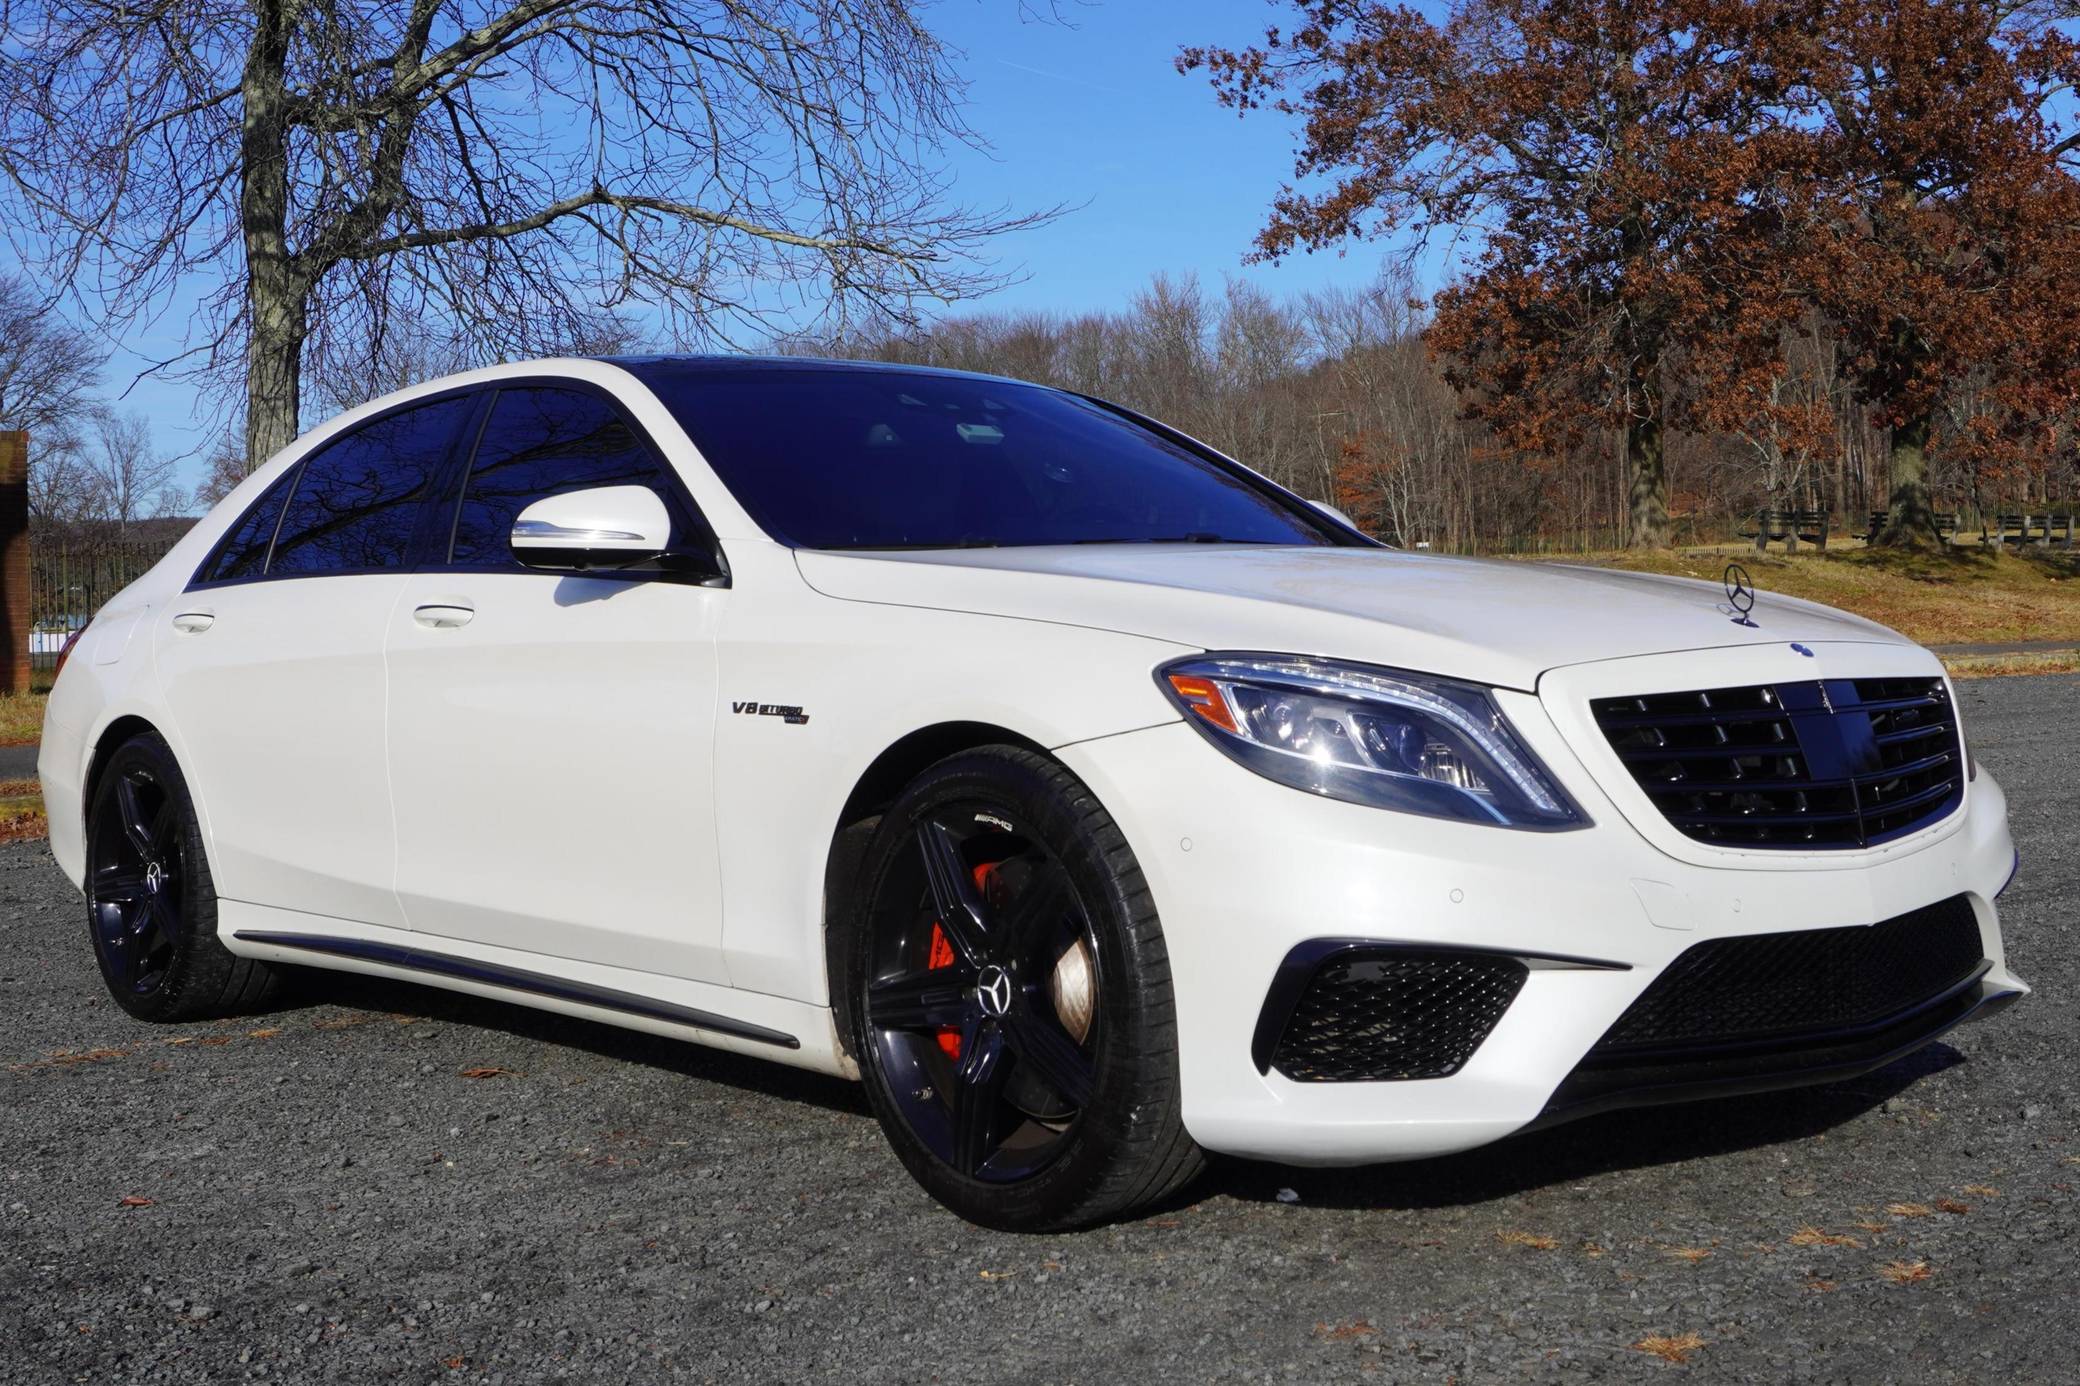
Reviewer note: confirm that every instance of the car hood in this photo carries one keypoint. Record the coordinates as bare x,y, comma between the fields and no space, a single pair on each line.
1494,621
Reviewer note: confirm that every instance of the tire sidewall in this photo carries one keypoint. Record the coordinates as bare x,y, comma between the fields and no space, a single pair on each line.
1012,784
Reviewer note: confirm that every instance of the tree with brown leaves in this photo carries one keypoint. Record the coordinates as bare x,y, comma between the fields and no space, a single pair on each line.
1604,156
1939,232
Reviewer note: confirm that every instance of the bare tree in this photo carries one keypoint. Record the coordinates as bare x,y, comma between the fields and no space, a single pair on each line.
129,479
48,367
222,470
506,169
48,370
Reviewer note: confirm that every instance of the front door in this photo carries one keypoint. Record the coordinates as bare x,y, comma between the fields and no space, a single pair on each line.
272,666
551,736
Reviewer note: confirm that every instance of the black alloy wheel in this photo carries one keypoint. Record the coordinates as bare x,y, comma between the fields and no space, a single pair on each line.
1010,999
151,902
135,885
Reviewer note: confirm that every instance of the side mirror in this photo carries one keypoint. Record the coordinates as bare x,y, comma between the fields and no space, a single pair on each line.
605,527
1333,513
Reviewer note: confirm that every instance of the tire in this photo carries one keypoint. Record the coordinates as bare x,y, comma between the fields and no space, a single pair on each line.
151,905
1022,1060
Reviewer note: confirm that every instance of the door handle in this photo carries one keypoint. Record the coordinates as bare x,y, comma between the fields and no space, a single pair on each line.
443,615
194,622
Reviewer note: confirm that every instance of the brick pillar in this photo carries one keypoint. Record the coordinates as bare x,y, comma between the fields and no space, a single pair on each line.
14,562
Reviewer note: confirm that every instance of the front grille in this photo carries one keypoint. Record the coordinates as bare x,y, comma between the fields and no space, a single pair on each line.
1770,988
1383,1014
1827,764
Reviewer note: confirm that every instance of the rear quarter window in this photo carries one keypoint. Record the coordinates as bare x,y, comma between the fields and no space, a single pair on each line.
242,553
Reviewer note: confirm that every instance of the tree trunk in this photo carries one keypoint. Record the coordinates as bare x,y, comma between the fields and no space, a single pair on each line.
276,290
1647,479
1910,521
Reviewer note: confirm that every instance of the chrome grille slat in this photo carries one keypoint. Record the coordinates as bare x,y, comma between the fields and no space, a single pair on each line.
1827,764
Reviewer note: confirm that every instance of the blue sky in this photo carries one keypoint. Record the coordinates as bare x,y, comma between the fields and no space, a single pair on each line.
1090,113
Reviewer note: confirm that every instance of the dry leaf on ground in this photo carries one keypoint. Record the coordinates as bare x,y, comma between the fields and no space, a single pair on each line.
1813,1236
1512,1237
1676,1349
1904,1272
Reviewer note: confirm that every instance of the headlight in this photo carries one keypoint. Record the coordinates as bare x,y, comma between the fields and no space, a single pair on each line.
1371,736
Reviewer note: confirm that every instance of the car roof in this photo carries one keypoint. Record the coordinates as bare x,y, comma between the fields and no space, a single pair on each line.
694,363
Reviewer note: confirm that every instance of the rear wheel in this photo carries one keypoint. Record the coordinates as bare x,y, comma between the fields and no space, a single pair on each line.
151,906
1009,999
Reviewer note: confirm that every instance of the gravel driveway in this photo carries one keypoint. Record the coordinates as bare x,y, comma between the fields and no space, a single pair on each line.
385,1183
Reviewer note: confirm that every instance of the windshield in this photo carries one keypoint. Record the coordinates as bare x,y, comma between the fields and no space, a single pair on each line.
872,459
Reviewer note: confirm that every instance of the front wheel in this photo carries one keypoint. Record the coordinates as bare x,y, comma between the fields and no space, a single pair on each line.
1008,999
151,905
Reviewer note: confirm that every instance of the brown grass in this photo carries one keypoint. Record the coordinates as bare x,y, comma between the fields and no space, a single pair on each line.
21,718
21,811
1955,597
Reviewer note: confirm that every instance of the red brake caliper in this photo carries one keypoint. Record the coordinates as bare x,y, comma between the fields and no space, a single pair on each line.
941,955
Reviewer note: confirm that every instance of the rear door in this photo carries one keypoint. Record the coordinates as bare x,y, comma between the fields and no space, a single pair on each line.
272,664
551,737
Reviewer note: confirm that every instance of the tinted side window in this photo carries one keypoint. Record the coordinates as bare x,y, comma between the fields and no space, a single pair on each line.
359,500
243,550
543,441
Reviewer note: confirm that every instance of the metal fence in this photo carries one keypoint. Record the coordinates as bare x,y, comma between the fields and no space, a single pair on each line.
71,580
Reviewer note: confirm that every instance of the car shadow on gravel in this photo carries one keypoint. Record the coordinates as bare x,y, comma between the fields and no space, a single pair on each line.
1634,1138
1637,1138
679,1057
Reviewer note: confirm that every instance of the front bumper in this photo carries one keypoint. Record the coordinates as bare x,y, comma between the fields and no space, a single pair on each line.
1244,870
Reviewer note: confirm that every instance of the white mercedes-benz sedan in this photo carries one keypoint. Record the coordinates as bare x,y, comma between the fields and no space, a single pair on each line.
1096,802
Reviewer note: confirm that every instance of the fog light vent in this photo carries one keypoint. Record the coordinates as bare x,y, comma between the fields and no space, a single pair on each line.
1361,1013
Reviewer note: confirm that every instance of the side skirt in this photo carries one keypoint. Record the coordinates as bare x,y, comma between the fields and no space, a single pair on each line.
518,979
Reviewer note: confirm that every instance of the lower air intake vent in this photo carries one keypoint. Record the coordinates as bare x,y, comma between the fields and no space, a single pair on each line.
1355,1013
1768,988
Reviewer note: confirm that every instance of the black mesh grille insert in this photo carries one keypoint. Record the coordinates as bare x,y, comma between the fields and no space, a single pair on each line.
1835,763
1769,987
1376,1015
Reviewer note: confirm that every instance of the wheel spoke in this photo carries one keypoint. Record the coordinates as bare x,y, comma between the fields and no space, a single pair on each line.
978,1091
954,895
162,830
1032,922
156,927
119,884
931,1000
137,826
1039,1041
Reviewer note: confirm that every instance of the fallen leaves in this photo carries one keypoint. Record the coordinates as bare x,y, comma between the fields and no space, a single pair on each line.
1676,1349
133,1201
1512,1237
1909,1210
488,1073
1905,1272
1819,1286
1692,1254
1345,1332
998,1274
1952,1207
1982,1190
67,1058
1813,1236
